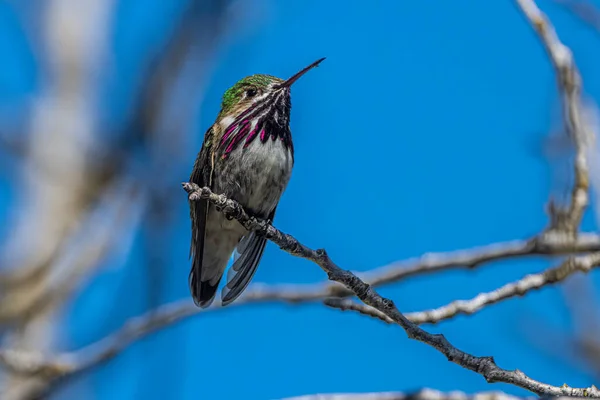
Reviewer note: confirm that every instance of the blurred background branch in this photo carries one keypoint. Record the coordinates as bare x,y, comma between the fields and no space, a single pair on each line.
80,188
585,10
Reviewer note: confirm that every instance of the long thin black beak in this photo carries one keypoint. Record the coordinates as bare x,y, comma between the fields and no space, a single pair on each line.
297,76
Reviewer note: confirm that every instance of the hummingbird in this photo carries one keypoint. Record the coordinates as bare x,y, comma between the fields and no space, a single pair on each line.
247,155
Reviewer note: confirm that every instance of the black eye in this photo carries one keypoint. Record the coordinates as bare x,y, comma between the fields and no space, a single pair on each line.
251,92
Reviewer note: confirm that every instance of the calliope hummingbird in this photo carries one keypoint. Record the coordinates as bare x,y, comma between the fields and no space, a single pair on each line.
247,155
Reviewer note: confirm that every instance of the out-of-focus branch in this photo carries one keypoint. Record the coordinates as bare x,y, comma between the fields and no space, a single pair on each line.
135,328
40,286
584,10
577,345
62,135
578,118
569,83
193,40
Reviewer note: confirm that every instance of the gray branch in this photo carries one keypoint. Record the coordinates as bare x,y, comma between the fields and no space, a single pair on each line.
484,366
519,288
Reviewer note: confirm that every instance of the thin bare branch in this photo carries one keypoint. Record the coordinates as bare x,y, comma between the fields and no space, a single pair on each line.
467,307
548,243
519,288
351,305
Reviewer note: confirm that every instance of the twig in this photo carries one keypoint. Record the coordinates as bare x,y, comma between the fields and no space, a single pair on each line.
484,366
351,305
548,243
519,288
105,349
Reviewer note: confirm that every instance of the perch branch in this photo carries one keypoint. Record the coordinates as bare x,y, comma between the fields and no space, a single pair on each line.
484,366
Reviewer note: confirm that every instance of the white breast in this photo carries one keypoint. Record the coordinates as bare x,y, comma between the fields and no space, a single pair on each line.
257,175
272,165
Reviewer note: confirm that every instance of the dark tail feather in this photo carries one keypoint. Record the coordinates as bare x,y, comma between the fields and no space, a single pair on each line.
244,267
249,252
203,292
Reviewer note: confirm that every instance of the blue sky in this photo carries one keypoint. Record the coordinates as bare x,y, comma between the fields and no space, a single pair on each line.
422,131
